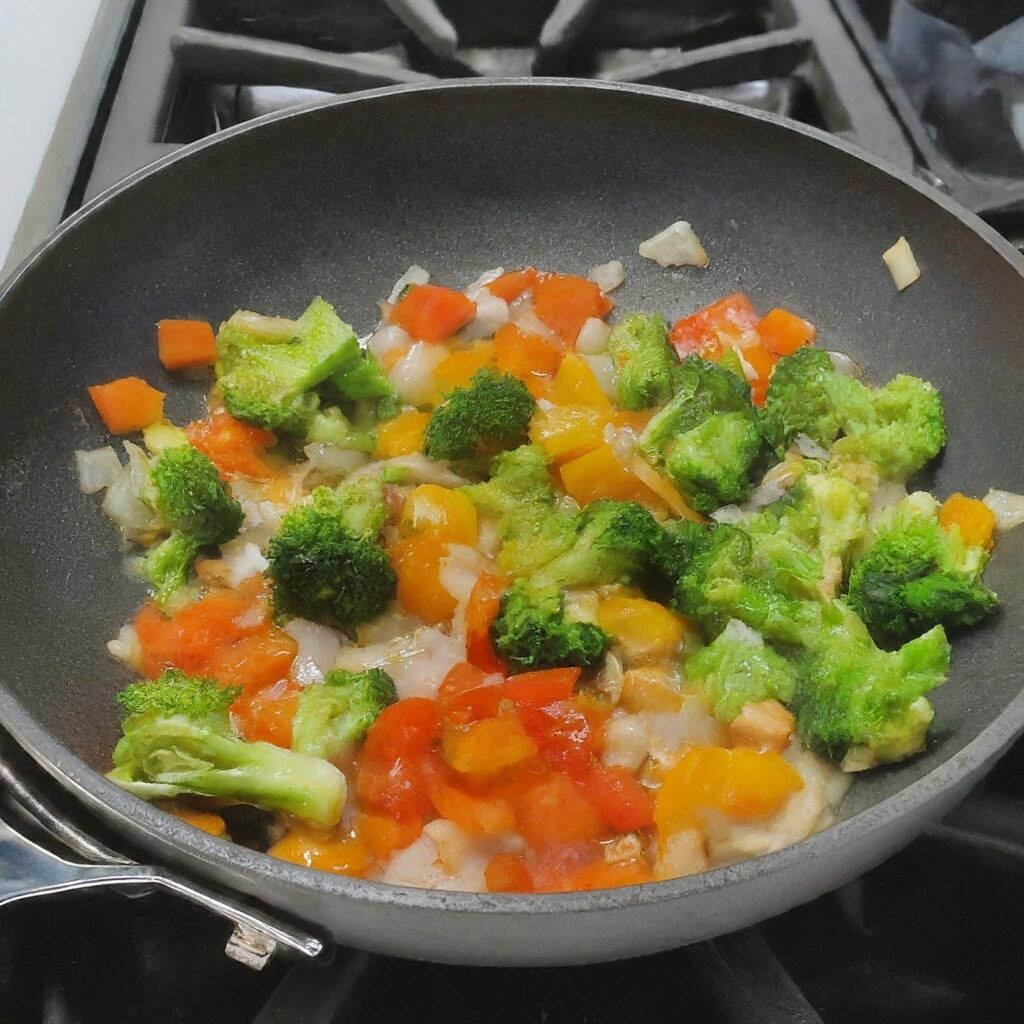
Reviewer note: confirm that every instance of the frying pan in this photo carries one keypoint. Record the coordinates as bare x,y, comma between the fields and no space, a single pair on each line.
338,200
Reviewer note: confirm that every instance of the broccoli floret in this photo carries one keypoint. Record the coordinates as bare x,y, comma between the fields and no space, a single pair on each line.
908,429
535,525
864,706
615,542
178,740
195,507
712,464
897,428
362,378
706,438
336,713
737,669
532,631
643,360
332,426
269,380
325,561
914,575
807,395
490,413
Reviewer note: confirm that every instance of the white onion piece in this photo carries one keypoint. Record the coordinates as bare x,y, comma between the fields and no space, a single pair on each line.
484,279
604,371
676,246
126,647
262,519
268,328
809,448
730,515
608,276
330,460
319,648
748,371
491,316
885,496
97,469
124,502
412,376
846,366
593,337
460,569
742,633
243,559
1007,507
764,494
899,258
387,338
414,275
522,314
418,469
416,662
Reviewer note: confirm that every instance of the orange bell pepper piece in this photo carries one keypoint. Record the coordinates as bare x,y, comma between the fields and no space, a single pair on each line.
976,520
599,474
575,384
417,563
460,366
127,404
488,746
401,436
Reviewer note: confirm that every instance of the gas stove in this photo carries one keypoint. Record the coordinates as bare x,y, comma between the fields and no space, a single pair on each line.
922,938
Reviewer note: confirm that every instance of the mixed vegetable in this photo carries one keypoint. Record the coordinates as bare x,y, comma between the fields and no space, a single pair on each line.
507,598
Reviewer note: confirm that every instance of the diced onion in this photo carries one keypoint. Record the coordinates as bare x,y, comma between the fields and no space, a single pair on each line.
417,469
676,246
491,315
846,366
124,503
330,460
268,328
809,448
387,338
593,337
243,559
742,633
604,371
319,648
484,279
412,376
126,647
608,276
899,258
414,275
1008,508
97,469
522,314
460,570
417,662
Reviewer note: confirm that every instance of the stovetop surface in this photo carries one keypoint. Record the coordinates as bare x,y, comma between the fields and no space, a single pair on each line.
930,936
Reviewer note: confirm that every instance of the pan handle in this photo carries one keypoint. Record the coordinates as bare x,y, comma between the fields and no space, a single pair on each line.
29,869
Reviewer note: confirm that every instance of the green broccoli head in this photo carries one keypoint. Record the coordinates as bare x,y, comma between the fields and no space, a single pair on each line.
615,542
490,413
738,669
644,360
535,527
532,631
177,739
191,497
269,379
807,395
362,378
714,463
325,561
863,706
334,714
166,567
907,431
915,575
332,426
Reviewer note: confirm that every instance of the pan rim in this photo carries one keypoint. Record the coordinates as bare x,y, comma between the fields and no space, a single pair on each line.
141,822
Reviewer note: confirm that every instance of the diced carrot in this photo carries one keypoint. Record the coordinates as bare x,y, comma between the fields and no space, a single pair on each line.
181,344
524,355
575,384
456,370
401,436
740,783
417,563
599,474
620,799
211,824
507,872
478,815
433,313
976,520
539,689
783,332
564,303
127,404
702,333
481,611
488,746
512,284
441,511
268,716
326,851
235,448
557,813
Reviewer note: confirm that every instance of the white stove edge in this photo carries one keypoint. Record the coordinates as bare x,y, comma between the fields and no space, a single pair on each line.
55,58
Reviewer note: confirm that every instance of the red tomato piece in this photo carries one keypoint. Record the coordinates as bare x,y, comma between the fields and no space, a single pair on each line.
481,611
620,799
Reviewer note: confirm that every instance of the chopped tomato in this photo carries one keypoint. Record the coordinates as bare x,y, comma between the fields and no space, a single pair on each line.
481,611
620,799
783,332
975,519
433,313
267,716
507,872
407,725
417,563
538,689
127,404
512,284
564,303
182,344
702,333
556,813
600,875
466,695
235,448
